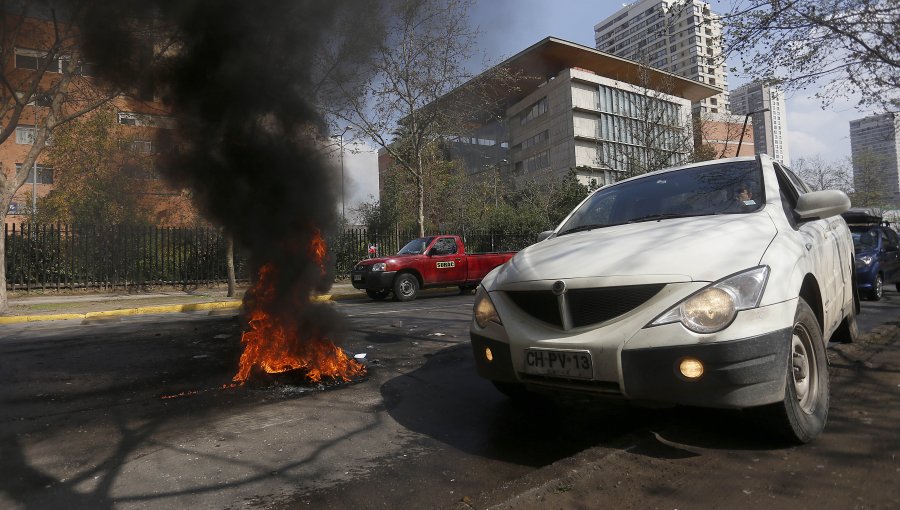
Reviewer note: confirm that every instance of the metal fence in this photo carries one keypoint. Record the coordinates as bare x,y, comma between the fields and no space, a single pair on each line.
124,256
55,257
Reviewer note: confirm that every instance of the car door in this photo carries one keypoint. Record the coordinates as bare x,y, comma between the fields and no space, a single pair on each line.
891,254
820,239
445,262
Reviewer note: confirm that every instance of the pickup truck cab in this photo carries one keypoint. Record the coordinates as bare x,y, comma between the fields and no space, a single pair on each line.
426,262
716,284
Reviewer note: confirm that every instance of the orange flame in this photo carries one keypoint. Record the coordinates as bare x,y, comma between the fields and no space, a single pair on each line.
275,343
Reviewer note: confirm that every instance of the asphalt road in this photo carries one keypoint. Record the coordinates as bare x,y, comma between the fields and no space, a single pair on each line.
132,414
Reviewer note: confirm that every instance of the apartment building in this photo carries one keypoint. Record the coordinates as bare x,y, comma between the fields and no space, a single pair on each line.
677,36
576,108
875,150
765,103
138,120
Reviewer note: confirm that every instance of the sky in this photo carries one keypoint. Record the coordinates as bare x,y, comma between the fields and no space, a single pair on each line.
509,26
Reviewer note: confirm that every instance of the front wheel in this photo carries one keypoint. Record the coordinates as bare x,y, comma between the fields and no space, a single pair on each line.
801,416
877,288
406,287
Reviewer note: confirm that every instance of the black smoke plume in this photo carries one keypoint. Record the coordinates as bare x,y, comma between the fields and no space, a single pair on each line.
243,79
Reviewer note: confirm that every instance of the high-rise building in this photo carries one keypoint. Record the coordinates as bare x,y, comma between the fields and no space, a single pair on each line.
577,109
678,36
766,103
875,149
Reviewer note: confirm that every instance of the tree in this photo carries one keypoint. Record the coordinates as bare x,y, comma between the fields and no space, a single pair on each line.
44,88
421,61
821,175
868,186
852,44
95,159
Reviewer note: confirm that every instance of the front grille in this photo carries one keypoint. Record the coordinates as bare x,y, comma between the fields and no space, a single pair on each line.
540,304
363,268
586,306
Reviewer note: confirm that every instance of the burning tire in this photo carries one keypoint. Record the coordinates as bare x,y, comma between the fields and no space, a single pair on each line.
406,287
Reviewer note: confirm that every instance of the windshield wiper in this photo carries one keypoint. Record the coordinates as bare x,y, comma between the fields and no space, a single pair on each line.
658,217
582,228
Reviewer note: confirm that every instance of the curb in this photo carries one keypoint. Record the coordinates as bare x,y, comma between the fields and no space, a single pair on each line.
189,307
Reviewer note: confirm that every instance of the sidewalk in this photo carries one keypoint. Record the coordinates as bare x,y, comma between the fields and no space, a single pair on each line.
51,306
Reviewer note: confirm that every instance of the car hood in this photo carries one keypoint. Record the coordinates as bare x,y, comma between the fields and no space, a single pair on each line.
704,248
392,258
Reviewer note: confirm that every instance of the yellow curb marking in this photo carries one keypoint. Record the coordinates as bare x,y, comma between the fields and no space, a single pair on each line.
190,307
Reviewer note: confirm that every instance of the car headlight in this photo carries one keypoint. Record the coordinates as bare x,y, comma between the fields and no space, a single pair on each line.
714,308
378,266
484,311
866,260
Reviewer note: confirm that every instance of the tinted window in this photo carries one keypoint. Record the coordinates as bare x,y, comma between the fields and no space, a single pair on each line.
444,246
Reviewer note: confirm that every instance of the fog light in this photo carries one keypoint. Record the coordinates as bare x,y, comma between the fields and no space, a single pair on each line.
488,355
691,368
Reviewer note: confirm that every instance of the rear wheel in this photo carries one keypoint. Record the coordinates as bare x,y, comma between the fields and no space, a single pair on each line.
877,288
801,416
406,287
377,295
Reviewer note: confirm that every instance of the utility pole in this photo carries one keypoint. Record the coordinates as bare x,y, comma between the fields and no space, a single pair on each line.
744,129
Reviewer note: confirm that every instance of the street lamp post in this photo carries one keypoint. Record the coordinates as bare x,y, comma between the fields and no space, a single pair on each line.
341,137
744,129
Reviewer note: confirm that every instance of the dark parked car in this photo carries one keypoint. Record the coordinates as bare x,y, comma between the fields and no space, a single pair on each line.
877,248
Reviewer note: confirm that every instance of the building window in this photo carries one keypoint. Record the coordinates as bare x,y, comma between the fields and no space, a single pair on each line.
534,111
533,163
44,174
139,119
25,135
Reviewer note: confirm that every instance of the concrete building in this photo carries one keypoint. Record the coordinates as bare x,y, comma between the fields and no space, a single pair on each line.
769,127
576,108
678,36
875,149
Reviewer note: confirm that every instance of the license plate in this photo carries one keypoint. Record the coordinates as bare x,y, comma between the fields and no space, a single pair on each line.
357,278
571,364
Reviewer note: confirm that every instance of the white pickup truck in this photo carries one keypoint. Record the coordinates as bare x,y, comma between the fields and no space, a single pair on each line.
716,284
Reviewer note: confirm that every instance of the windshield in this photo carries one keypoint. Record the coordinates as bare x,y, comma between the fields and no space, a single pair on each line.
865,240
416,246
726,188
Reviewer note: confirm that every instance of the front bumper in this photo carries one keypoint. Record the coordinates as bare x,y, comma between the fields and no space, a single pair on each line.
741,373
372,280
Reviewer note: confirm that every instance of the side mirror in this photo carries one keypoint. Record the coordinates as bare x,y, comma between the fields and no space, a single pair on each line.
544,235
822,204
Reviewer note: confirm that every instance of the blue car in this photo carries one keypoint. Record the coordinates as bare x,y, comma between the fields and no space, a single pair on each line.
877,259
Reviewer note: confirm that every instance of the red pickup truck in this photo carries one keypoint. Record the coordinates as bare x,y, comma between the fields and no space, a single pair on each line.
436,261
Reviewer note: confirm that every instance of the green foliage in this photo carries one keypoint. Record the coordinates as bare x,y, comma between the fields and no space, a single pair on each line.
458,204
94,165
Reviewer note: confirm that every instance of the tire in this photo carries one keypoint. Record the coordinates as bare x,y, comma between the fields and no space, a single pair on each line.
377,295
877,289
406,287
801,416
898,286
465,290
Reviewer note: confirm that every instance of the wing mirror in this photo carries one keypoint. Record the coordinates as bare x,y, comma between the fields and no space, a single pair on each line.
544,235
822,204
